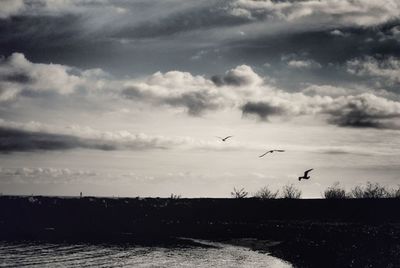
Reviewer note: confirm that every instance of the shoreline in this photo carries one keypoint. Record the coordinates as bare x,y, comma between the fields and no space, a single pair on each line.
321,245
306,233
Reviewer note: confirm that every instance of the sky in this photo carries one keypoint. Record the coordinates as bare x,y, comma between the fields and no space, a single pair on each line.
127,98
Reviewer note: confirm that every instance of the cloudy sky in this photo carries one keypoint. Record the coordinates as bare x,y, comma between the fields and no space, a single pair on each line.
125,98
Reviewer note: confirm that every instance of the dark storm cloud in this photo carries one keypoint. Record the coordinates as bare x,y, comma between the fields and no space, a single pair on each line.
356,118
320,45
73,21
229,79
135,93
15,140
16,137
33,32
33,136
262,109
113,34
329,53
225,14
192,19
61,38
364,110
20,78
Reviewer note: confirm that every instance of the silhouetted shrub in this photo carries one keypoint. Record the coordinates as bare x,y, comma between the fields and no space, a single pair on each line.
357,192
266,193
291,192
335,192
395,193
175,196
371,190
239,193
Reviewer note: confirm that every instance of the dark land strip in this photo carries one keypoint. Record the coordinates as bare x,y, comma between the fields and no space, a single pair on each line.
305,232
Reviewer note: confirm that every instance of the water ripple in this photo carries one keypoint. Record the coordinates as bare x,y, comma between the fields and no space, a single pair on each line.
31,254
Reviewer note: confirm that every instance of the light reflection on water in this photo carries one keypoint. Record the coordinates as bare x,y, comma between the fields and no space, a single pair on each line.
31,254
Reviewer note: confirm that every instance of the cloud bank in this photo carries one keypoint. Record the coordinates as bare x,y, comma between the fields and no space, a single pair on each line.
224,33
346,12
239,88
34,136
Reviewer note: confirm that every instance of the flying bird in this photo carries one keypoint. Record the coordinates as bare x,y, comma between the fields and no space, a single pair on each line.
305,176
224,139
271,151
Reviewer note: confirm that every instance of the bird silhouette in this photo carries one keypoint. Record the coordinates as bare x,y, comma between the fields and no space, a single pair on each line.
305,176
271,151
224,139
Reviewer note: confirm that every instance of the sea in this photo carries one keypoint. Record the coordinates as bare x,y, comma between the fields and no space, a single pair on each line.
213,254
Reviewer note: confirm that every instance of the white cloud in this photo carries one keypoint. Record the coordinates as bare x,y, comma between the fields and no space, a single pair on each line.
337,91
49,175
196,94
242,75
50,172
341,12
176,89
337,12
300,61
239,88
307,64
10,7
20,76
337,32
327,90
387,69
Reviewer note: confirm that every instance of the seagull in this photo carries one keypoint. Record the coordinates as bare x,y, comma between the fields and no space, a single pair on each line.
224,139
305,176
271,151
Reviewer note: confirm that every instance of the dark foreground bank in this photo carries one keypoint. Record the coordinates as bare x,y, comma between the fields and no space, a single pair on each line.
312,233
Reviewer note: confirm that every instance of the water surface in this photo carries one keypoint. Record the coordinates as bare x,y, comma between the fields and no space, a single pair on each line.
33,254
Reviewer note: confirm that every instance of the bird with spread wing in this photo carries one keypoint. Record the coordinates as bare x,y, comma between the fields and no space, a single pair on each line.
271,151
224,139
305,176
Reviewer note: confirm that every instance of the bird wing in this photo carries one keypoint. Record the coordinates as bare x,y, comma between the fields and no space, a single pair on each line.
307,171
219,137
279,151
227,137
265,153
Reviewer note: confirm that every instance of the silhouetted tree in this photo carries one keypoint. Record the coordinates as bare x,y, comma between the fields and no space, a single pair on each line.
291,192
335,192
239,193
266,193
